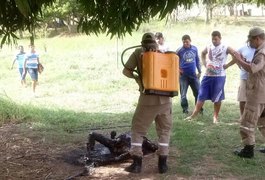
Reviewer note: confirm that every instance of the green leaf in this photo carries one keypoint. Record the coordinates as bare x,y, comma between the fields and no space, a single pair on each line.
23,6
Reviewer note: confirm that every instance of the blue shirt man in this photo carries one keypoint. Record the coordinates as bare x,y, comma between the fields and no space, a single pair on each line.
189,62
20,58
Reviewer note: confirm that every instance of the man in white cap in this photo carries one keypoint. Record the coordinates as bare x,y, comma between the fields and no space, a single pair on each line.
149,108
254,111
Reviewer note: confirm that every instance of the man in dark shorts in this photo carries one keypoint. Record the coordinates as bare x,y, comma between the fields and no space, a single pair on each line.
31,64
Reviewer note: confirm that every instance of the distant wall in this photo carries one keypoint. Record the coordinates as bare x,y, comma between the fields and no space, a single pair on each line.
200,11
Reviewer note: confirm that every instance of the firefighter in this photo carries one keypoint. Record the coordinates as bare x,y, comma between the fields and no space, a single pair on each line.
254,111
149,108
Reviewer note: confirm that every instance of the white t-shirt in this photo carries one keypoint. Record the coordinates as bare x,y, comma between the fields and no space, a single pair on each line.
163,48
247,53
217,57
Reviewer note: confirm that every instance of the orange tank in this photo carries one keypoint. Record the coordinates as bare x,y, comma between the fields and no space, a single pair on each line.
160,73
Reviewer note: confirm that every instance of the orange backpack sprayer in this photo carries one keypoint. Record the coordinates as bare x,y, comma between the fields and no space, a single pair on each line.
160,72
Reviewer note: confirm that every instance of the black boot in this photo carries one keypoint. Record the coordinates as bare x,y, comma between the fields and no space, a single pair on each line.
246,152
136,166
162,164
91,142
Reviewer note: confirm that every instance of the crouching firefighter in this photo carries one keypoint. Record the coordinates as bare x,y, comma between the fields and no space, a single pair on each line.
150,108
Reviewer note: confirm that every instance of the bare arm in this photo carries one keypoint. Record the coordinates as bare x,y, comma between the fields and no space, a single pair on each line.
230,51
232,62
25,66
13,63
240,61
203,56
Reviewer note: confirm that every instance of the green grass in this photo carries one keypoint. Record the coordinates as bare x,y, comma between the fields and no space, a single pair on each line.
82,89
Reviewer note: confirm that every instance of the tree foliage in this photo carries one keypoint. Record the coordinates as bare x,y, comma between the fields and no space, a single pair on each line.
67,11
115,17
19,15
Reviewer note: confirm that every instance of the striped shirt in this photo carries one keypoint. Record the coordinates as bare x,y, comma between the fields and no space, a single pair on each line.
32,60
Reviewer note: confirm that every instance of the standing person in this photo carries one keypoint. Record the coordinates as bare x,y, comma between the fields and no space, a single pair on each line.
149,108
162,46
212,84
189,62
31,64
247,54
254,111
20,58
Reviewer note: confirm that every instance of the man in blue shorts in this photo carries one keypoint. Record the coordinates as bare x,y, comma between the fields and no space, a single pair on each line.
31,64
212,84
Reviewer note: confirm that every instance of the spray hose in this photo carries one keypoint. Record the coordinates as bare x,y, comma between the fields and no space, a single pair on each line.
133,70
124,53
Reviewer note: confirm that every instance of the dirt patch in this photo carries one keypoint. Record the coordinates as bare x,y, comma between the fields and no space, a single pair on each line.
24,154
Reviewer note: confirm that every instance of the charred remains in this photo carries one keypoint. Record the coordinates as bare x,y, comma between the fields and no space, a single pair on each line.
102,150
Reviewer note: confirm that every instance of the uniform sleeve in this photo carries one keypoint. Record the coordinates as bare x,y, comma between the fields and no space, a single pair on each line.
258,63
132,61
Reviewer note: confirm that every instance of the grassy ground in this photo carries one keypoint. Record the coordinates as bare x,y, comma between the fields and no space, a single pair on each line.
82,89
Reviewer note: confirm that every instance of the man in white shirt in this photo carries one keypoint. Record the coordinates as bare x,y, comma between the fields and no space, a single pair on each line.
162,46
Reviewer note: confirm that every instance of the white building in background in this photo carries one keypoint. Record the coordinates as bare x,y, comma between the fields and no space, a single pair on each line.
250,10
242,9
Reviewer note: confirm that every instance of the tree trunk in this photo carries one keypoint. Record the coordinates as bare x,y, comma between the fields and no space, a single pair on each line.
243,10
236,14
174,15
231,10
207,19
20,34
32,40
68,24
211,13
